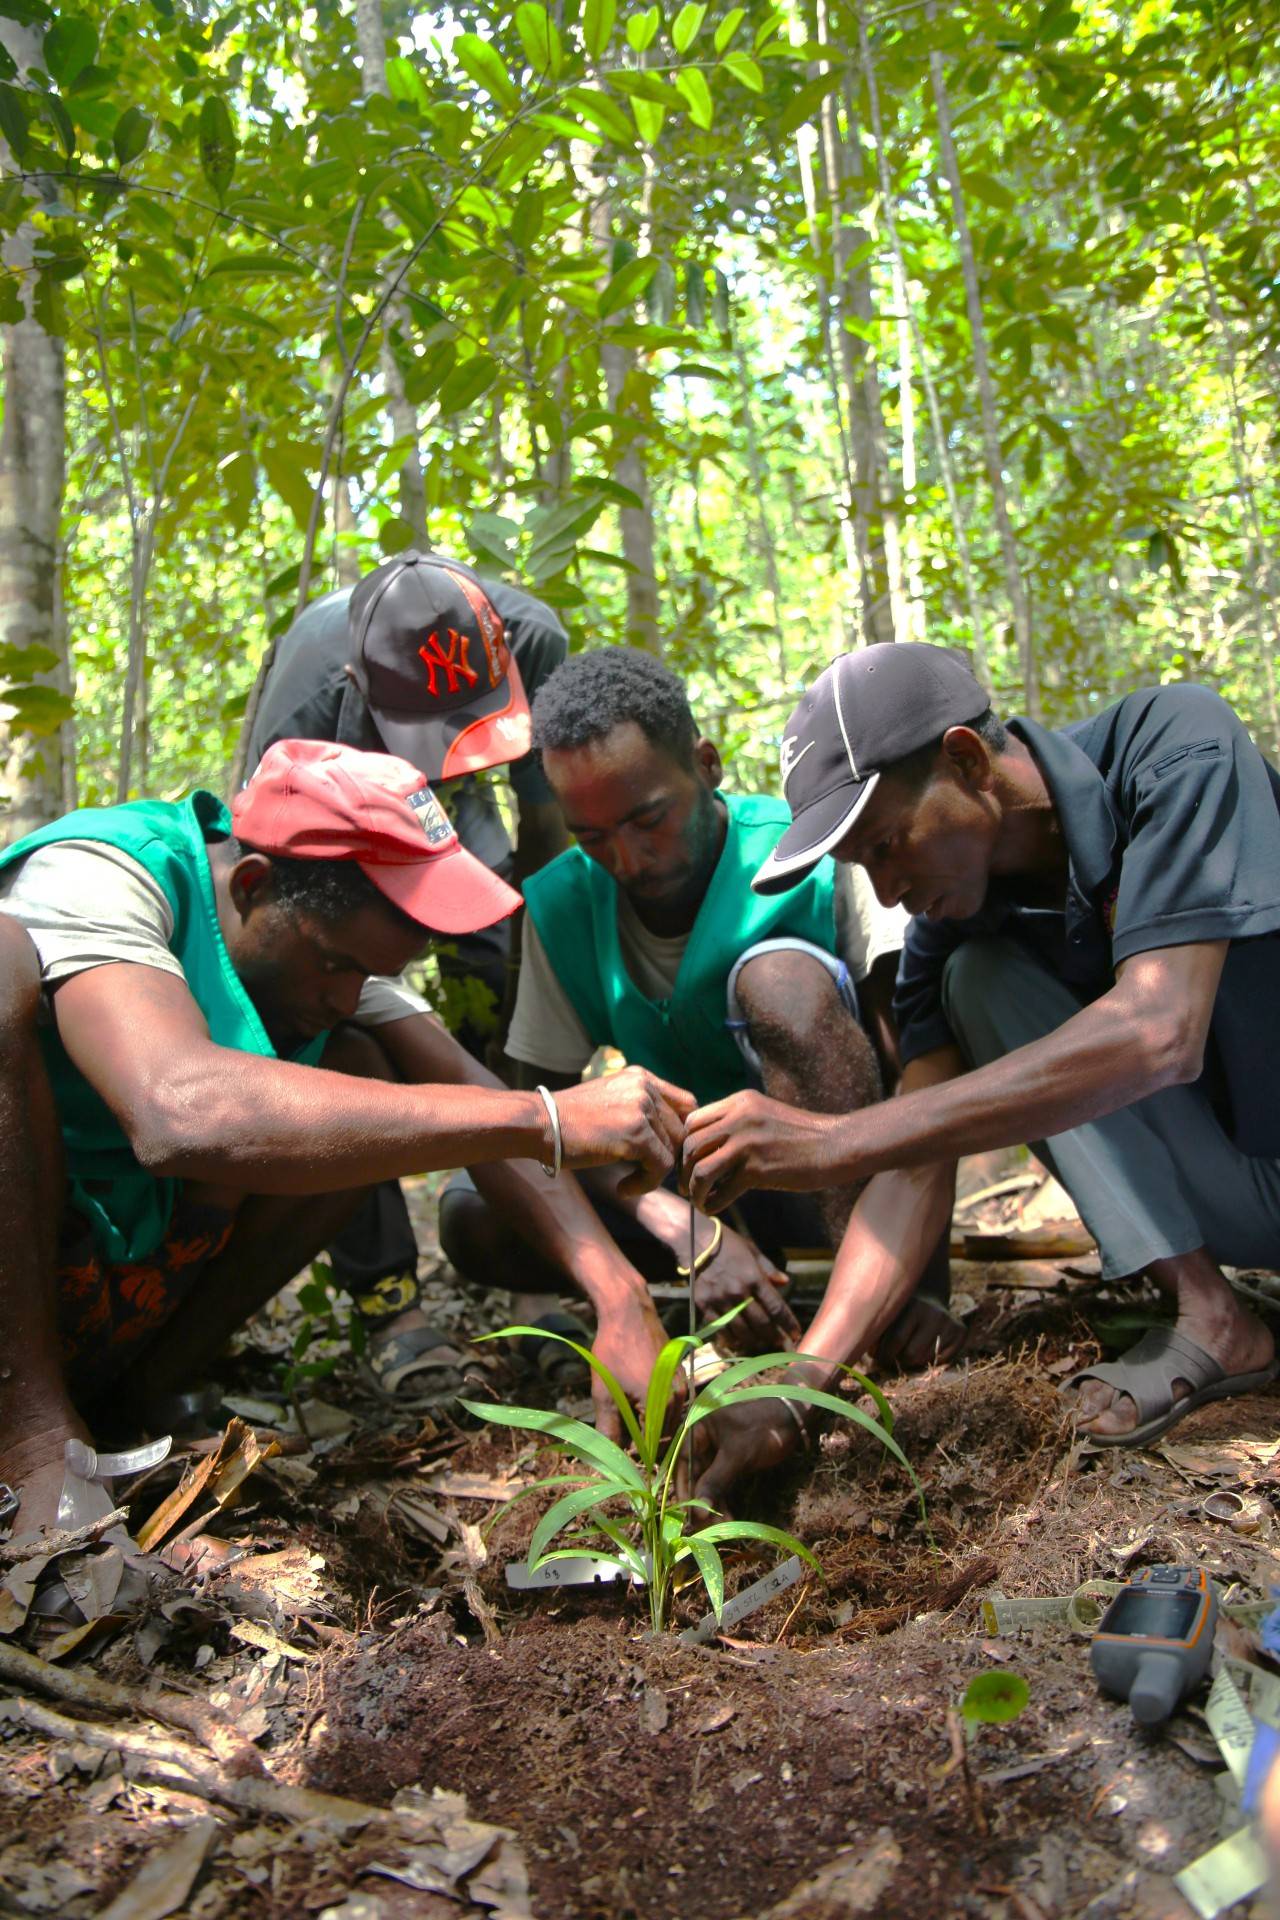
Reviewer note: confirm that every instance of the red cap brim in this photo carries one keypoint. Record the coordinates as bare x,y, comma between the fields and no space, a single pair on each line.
449,893
497,730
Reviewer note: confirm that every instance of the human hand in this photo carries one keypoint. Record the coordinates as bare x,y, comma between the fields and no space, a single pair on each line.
628,1341
747,1439
739,1271
632,1115
749,1140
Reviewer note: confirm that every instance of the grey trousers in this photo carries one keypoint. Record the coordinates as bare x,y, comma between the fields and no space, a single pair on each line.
1153,1180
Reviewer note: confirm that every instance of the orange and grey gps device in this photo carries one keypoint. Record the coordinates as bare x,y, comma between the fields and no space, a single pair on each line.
1155,1640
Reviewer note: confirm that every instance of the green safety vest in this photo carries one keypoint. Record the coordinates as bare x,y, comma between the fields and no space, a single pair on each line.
127,1208
574,906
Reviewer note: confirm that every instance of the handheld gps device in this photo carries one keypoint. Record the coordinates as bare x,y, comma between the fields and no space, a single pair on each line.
1155,1640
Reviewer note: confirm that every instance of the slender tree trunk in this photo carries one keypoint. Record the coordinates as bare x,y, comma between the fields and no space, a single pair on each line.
879,544
371,43
915,621
32,482
1015,584
1258,569
856,571
623,378
346,563
766,546
942,446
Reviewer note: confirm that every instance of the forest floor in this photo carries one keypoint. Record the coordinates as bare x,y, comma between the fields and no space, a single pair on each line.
333,1704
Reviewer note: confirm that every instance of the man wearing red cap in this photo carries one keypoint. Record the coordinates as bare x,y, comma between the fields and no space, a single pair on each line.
190,1109
426,659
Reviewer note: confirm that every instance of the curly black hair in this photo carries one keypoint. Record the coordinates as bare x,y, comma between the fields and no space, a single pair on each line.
324,890
592,693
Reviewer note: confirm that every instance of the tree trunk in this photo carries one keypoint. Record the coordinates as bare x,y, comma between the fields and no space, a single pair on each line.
371,44
32,481
621,373
942,447
877,529
993,455
765,544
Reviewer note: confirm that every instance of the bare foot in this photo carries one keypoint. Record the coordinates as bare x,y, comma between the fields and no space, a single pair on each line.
923,1334
1208,1313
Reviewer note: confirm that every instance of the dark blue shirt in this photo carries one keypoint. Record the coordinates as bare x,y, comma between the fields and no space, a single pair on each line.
1171,819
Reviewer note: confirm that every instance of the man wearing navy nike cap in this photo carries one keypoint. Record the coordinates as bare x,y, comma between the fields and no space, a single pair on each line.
1091,966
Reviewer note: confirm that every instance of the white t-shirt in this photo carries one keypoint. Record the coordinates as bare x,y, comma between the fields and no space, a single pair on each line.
88,904
547,1032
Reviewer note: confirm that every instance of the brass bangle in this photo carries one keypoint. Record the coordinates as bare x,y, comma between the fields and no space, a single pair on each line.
708,1253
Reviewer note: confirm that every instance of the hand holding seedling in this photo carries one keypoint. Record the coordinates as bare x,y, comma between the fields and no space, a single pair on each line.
747,1439
749,1140
627,1344
632,1115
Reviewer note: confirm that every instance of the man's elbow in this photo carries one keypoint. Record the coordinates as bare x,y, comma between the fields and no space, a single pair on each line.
175,1128
1173,1042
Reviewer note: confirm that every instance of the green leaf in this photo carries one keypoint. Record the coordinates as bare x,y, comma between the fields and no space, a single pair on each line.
218,143
989,190
469,379
711,1567
13,120
648,118
584,513
540,38
758,1531
132,132
687,25
641,28
599,17
395,535
744,68
69,46
602,112
483,64
692,84
658,1397
695,296
992,1698
660,298
720,300
626,285
573,1436
37,710
405,84
62,123
568,1508
806,101
729,26
286,471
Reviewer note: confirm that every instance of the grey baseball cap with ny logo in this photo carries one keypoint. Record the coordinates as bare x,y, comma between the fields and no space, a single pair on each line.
865,711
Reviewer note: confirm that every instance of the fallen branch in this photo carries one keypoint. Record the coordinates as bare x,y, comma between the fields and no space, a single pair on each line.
170,1764
85,1690
46,1546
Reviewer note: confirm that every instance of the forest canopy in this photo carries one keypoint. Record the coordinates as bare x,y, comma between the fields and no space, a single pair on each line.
744,334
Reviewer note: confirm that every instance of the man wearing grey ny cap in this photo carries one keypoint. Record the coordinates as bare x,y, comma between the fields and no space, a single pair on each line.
1092,966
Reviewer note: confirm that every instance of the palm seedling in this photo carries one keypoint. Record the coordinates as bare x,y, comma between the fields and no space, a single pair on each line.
650,1525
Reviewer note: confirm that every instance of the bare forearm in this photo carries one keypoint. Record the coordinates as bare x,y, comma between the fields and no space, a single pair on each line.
1102,1059
891,1235
277,1128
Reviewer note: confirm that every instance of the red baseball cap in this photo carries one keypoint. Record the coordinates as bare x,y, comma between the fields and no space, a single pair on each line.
312,800
430,656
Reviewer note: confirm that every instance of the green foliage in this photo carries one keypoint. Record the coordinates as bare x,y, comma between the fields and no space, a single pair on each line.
991,1699
633,1503
328,1323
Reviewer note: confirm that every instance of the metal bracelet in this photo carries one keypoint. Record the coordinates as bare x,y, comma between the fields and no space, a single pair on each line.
708,1254
557,1141
791,1407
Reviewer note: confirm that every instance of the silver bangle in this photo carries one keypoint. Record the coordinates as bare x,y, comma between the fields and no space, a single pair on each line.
791,1407
557,1142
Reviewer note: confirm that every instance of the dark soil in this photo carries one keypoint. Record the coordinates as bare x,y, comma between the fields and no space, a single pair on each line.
650,1780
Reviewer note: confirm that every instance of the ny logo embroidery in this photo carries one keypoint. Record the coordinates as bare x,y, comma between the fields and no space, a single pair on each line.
454,664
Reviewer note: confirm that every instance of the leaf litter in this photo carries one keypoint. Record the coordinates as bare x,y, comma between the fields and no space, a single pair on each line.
326,1700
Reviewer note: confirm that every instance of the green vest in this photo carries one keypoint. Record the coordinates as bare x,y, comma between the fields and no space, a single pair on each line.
574,906
127,1208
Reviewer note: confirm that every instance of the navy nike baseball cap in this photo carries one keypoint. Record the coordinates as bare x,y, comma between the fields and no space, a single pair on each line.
865,711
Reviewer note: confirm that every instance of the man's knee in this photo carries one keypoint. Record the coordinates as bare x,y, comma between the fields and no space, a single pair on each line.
354,1050
19,984
997,995
464,1226
787,997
